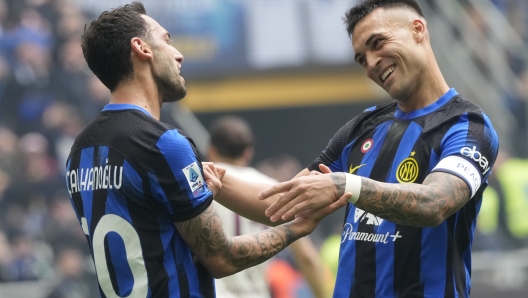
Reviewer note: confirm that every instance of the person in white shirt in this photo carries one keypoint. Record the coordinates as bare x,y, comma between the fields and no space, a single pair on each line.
232,148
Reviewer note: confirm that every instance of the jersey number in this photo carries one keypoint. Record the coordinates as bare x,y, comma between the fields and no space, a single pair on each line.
134,254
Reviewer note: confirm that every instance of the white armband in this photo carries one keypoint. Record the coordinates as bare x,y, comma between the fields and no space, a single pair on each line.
353,185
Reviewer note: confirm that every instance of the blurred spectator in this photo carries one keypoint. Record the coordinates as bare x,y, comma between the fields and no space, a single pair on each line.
29,90
72,78
73,280
61,229
5,257
281,168
9,155
31,259
61,123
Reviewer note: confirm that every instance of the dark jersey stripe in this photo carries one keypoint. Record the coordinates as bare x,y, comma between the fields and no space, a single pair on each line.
74,163
148,230
207,288
110,266
476,127
183,281
365,271
449,285
153,250
97,208
407,250
99,194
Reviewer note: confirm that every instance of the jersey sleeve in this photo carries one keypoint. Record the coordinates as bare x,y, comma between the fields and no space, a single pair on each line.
176,177
331,155
469,150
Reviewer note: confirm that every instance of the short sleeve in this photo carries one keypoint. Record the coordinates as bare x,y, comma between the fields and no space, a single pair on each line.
469,150
331,155
176,177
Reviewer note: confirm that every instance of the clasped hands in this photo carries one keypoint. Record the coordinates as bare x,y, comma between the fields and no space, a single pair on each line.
301,195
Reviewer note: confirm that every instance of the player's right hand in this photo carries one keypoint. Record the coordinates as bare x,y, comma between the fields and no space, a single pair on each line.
300,194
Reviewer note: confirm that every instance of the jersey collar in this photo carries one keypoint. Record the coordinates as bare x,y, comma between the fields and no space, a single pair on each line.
122,106
428,109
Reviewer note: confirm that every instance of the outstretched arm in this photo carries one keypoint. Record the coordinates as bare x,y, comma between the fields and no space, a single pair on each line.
240,196
427,204
223,256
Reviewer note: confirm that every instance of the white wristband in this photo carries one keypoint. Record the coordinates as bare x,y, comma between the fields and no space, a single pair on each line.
353,185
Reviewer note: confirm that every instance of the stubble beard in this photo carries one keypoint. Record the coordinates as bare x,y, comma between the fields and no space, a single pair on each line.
170,89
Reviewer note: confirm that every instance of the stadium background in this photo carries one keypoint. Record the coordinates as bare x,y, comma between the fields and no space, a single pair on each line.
286,66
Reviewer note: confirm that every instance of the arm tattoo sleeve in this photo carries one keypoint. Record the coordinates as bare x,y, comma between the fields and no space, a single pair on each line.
440,195
206,237
340,183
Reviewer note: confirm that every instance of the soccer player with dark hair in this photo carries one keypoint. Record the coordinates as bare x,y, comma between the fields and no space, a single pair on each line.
140,192
416,167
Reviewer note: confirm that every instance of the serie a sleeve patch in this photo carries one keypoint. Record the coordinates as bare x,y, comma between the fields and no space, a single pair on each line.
195,179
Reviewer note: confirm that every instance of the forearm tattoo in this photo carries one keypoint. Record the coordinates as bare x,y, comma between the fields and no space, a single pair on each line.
340,183
205,234
439,196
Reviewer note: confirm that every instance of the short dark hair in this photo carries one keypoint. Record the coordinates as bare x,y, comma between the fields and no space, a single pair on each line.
231,136
360,11
106,42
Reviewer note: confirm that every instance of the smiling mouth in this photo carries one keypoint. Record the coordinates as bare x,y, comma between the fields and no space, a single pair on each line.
387,73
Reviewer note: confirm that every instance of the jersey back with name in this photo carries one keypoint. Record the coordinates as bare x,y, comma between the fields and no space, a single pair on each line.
130,177
379,258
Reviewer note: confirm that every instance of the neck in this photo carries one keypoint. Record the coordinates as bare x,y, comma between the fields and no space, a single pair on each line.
429,89
139,95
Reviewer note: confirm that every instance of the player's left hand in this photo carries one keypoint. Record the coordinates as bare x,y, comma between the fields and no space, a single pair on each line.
300,194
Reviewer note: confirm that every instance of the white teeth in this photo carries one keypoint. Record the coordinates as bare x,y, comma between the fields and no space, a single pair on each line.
387,73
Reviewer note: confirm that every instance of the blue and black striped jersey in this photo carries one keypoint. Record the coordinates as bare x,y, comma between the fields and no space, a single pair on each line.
379,258
130,177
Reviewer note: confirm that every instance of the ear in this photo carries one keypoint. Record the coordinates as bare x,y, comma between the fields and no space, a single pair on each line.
140,48
248,154
212,154
419,29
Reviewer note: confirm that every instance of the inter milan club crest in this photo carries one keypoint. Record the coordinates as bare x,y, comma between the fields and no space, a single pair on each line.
407,171
367,145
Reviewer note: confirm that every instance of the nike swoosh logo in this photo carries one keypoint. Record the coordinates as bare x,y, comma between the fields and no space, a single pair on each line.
352,170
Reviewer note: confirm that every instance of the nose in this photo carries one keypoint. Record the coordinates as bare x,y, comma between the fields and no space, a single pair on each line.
373,62
178,56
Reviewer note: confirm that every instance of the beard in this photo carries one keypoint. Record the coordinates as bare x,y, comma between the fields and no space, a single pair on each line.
170,89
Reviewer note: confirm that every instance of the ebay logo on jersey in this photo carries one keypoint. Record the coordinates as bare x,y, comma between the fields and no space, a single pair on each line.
476,156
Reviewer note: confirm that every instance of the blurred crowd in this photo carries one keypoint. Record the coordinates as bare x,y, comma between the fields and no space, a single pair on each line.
47,95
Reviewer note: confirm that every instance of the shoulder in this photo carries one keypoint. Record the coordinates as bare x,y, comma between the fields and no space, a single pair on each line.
368,119
470,114
459,106
123,130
